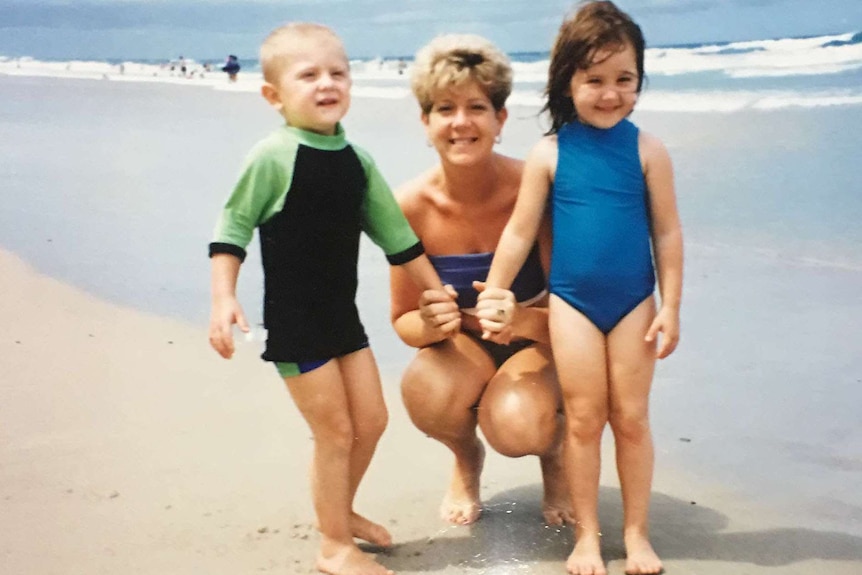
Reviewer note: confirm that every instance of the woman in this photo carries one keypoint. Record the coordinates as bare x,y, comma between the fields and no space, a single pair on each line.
458,209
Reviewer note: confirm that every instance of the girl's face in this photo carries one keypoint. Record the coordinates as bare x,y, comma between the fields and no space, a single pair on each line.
463,124
606,92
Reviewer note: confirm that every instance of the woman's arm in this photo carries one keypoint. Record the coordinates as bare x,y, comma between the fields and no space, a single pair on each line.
667,241
419,317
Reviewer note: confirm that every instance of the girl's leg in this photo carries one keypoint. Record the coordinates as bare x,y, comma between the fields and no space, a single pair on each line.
368,417
631,363
321,398
439,388
580,356
520,414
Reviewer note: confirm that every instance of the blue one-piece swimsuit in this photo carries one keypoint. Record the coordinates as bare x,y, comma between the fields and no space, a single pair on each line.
601,261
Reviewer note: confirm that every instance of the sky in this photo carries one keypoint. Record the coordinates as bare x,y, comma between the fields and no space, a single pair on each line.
203,29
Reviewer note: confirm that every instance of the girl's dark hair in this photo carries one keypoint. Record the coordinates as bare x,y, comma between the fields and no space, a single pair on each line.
595,26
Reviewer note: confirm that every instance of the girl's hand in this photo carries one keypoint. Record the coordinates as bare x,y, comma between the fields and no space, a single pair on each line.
496,309
225,312
439,310
666,322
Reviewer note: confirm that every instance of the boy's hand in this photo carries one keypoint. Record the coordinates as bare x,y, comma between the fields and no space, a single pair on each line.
496,311
439,310
225,312
666,322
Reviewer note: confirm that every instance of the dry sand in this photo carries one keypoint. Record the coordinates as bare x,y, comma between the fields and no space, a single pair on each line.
127,446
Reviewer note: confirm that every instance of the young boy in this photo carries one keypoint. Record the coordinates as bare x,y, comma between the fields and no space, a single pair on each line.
310,193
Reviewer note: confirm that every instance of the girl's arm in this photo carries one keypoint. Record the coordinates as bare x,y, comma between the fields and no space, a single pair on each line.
518,236
667,241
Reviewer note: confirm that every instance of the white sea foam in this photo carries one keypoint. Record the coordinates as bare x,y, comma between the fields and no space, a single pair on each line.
388,79
767,58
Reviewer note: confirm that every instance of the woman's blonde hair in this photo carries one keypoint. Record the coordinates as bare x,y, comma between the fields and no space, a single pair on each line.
452,60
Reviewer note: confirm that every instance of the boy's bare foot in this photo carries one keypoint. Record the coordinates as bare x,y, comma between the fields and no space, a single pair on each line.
462,504
349,560
586,558
557,503
365,529
641,559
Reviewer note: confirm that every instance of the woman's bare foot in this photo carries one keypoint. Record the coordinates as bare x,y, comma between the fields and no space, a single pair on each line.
365,529
641,559
462,504
557,503
586,558
350,560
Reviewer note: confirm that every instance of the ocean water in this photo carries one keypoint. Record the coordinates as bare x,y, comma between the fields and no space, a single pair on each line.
113,185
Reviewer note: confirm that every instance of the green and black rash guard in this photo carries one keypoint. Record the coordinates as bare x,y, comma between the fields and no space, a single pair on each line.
311,195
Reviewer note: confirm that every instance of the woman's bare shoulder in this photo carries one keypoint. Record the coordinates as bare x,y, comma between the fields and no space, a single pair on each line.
416,192
512,167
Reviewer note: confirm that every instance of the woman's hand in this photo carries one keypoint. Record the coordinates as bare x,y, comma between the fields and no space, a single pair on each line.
496,310
439,311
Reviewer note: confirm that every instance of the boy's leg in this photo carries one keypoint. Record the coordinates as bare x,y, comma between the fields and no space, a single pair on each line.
580,357
631,362
439,389
321,398
369,417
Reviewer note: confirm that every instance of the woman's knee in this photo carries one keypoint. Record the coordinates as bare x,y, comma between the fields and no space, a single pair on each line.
519,418
436,397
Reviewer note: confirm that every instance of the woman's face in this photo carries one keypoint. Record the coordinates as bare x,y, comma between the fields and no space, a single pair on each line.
463,124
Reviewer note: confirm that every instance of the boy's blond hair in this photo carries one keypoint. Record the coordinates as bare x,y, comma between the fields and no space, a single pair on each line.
452,60
276,48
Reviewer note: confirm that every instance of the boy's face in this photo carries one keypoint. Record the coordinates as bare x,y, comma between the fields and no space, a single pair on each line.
312,89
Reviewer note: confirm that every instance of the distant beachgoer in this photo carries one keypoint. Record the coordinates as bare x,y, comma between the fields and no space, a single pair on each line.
232,67
310,193
610,190
458,208
183,66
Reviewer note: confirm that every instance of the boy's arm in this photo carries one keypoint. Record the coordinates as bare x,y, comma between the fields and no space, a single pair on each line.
258,193
667,242
387,226
225,310
517,239
420,318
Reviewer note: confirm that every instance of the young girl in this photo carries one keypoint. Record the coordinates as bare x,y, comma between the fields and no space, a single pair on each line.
614,209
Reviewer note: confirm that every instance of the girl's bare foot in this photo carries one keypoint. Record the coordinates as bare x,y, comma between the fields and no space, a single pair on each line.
350,560
462,504
586,558
365,529
641,559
